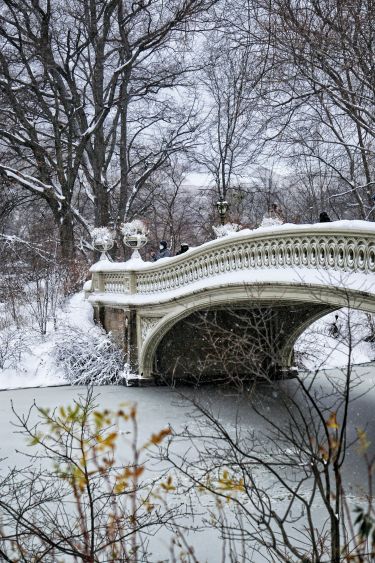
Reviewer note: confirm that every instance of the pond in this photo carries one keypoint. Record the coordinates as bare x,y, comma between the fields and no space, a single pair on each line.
159,407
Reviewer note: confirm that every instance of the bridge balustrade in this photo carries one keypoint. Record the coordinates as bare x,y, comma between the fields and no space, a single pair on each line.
296,247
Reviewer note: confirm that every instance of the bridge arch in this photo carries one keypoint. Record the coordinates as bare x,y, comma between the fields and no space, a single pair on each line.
322,301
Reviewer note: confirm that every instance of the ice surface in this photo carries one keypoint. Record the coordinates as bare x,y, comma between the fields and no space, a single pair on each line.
160,407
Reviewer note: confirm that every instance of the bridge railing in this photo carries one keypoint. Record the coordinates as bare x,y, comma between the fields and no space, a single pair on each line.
347,246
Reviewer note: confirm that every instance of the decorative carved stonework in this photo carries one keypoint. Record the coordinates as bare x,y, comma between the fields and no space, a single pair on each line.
147,324
342,252
339,249
116,283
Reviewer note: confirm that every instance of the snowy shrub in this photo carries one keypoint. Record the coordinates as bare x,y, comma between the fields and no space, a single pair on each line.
12,293
35,281
135,227
12,346
89,357
225,230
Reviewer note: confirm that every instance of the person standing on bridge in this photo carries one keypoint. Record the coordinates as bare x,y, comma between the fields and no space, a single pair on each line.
324,217
184,248
164,252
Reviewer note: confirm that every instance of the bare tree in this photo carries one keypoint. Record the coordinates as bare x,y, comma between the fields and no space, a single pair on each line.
236,65
178,210
322,93
82,94
288,483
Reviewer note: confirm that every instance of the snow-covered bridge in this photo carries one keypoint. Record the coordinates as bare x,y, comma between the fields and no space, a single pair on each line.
299,272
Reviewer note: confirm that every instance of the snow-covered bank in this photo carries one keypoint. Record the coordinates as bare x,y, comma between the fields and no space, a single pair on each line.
37,366
317,348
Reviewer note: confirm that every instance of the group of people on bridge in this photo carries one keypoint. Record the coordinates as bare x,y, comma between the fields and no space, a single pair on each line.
165,252
274,212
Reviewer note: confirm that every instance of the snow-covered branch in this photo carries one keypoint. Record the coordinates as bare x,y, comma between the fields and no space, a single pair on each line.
30,182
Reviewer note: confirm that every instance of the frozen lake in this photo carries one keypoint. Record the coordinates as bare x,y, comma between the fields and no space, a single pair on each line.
159,407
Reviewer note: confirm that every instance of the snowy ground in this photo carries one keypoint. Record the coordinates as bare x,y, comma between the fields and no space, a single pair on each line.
29,359
37,366
316,349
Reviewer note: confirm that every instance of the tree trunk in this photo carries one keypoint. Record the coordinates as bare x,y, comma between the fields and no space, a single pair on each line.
102,208
66,235
124,163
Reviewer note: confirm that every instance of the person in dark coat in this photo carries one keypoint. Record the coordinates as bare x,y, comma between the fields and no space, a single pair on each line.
334,329
275,212
164,251
324,217
184,248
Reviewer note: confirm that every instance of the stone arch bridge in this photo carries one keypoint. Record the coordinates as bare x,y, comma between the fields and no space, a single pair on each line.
247,296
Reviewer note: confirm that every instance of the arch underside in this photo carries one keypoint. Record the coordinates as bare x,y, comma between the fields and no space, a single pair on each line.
197,337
